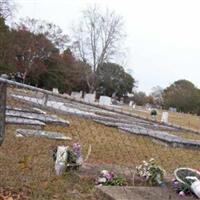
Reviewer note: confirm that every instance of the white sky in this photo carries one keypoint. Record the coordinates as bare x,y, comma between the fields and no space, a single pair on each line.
163,36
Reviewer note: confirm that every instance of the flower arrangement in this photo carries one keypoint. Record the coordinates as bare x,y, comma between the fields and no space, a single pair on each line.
153,112
180,188
186,181
151,173
108,178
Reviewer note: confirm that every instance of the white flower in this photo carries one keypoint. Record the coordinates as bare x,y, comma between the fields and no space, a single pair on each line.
152,160
104,172
145,163
181,193
102,180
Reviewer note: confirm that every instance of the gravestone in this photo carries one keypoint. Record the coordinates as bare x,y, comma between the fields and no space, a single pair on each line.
164,117
171,109
131,103
77,95
2,110
105,101
55,90
89,98
134,106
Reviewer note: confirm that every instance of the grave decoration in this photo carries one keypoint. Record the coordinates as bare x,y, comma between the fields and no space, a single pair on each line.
153,112
187,181
67,159
150,173
108,178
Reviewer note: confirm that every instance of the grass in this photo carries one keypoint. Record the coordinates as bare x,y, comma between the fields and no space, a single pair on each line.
181,119
26,163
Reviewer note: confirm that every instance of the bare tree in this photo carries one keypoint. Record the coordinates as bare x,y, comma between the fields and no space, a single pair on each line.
6,8
51,31
98,38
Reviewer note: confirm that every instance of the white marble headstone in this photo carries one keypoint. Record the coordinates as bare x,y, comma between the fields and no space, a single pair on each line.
131,103
55,90
105,100
165,117
89,98
77,95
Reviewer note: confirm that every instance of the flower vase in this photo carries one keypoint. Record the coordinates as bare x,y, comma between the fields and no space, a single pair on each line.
196,188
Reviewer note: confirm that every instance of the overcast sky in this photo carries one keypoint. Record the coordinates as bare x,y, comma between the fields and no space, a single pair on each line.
163,36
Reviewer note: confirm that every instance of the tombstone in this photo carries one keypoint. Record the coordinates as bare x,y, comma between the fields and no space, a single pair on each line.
134,106
2,110
131,103
89,98
55,90
171,109
105,101
77,95
121,100
4,76
164,117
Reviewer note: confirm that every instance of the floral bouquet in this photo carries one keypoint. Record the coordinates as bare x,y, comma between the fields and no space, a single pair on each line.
151,173
187,181
108,178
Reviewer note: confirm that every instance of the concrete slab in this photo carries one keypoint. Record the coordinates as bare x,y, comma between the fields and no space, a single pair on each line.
137,193
47,119
40,133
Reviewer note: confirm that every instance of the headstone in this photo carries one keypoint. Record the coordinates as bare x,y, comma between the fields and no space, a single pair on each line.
172,109
55,90
131,103
134,106
2,111
61,158
164,117
5,76
77,95
89,98
105,101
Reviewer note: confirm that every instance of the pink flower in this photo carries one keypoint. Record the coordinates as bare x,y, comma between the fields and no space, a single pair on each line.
181,193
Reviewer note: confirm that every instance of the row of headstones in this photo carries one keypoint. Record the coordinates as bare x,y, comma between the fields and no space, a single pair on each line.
89,97
105,100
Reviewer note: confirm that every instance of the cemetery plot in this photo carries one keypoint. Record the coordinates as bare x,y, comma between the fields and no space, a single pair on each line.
118,140
126,123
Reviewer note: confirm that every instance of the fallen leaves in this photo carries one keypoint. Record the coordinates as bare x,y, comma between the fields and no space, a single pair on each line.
10,194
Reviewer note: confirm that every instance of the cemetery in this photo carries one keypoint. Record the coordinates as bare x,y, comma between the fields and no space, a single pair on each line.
107,139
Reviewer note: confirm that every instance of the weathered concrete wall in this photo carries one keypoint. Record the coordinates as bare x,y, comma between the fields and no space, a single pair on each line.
2,110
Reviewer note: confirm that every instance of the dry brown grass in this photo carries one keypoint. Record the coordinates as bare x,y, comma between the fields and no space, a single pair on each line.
182,119
27,162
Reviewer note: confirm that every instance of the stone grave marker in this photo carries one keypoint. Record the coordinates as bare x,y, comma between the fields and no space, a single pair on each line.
131,103
89,98
77,95
55,90
40,133
105,101
164,117
2,110
172,109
